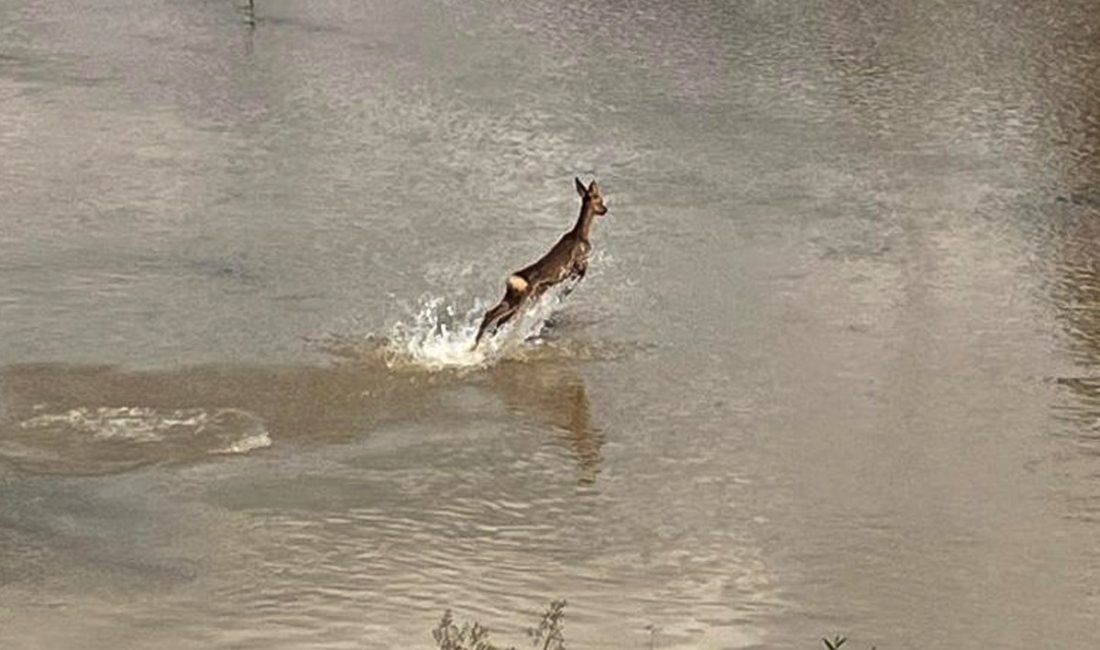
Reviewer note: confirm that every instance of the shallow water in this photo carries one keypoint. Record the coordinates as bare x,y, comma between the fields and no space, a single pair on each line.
835,368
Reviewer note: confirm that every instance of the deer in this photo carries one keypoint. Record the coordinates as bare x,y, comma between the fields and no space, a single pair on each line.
566,260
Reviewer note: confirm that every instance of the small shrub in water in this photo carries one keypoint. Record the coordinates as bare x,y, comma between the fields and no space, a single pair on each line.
449,636
836,642
550,633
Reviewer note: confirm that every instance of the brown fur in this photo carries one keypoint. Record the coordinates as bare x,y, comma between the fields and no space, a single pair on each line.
567,259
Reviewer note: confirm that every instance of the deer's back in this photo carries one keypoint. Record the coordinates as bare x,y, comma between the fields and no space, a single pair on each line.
557,264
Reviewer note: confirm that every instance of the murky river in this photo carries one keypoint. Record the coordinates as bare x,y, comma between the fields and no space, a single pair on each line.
835,367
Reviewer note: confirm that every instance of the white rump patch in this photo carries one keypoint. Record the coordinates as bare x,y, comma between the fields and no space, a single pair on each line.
517,283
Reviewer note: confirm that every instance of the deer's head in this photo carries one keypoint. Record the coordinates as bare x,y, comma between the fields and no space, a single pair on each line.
592,195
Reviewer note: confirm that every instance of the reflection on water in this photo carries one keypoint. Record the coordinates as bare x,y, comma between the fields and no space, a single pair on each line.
1075,292
62,419
554,395
1070,221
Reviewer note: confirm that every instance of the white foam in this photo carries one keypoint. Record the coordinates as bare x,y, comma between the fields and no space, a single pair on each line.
246,444
225,431
130,423
246,426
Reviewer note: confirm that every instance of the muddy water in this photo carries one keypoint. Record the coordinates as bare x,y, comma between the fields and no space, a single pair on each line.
835,368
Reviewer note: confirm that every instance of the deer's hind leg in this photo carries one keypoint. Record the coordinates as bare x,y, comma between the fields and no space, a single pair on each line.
504,310
494,318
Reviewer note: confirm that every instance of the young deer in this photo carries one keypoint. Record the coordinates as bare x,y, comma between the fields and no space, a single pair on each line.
568,259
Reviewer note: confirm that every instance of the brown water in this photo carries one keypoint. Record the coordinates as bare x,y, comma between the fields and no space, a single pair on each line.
835,368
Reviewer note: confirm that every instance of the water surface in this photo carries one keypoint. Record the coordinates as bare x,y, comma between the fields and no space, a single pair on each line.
834,368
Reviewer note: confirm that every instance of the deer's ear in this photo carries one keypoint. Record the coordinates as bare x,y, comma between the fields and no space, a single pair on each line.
593,189
580,187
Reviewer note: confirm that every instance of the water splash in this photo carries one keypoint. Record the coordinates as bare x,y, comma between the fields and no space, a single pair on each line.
437,336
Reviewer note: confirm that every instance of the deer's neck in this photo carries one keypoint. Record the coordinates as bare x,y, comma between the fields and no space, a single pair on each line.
584,221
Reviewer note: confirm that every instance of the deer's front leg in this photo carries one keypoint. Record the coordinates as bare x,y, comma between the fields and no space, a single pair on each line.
580,267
